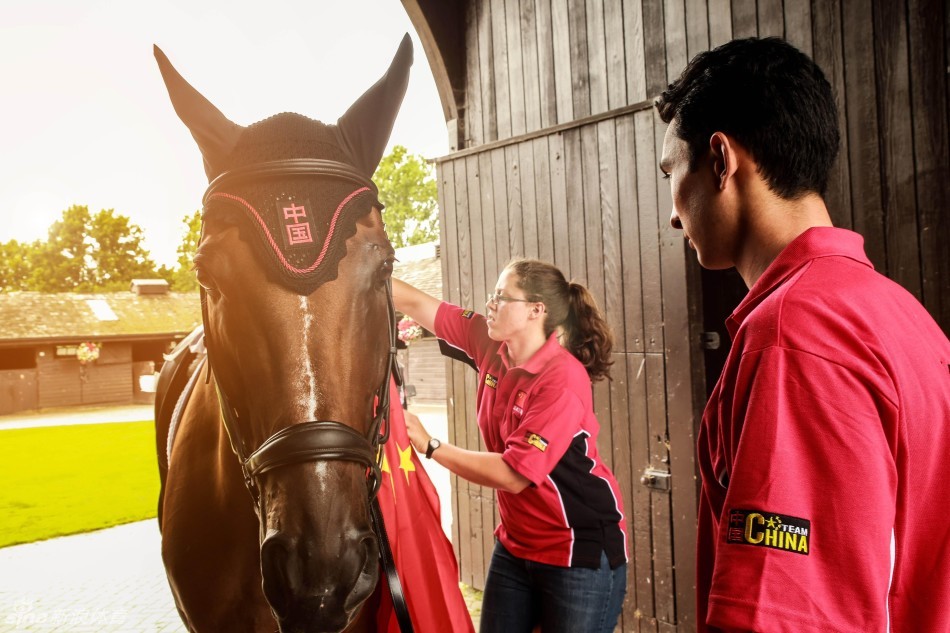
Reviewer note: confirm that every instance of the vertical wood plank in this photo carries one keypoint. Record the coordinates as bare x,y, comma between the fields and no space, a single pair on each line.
633,51
592,218
697,28
516,218
798,25
576,237
649,233
483,235
580,62
597,57
860,102
622,466
501,248
927,36
473,126
516,69
543,191
501,67
560,225
674,20
529,204
641,510
829,56
616,56
744,19
611,258
897,151
532,70
561,42
629,212
489,521
720,22
771,18
544,36
486,71
663,586
654,46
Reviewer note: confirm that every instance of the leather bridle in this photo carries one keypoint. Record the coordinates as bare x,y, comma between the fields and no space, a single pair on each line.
315,440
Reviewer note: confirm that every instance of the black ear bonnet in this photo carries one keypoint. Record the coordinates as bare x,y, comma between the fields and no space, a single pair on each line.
297,222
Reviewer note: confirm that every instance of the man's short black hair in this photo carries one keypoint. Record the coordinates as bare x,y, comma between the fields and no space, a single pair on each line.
770,97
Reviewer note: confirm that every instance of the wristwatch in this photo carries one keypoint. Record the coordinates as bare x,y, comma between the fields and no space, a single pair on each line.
433,444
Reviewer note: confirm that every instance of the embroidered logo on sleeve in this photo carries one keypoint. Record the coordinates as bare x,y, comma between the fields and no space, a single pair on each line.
536,441
518,407
767,529
468,314
491,381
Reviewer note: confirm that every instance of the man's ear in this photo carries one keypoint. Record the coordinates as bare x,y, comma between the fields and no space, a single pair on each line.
724,158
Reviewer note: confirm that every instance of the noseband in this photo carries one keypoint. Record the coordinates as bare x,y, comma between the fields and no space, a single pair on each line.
314,440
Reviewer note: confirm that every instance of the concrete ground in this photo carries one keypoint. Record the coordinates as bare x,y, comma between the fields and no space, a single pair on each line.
112,580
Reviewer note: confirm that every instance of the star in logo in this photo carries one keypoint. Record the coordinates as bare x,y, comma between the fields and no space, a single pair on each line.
774,523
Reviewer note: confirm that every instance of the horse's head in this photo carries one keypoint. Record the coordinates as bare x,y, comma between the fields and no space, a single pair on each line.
294,264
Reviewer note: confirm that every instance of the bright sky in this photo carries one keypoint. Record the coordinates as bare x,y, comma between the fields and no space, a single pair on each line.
86,120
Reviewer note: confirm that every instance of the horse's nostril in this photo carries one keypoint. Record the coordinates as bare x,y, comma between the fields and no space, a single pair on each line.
278,570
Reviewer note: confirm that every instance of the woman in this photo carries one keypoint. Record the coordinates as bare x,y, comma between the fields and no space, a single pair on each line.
561,550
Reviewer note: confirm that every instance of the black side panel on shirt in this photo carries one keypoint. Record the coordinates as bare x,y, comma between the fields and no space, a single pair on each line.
590,507
456,354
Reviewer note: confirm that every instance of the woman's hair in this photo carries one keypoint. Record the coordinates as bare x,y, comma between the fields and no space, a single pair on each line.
570,306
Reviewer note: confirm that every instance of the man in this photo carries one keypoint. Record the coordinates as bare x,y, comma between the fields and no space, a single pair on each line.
825,446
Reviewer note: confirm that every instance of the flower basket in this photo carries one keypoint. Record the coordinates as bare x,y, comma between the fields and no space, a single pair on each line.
87,352
409,330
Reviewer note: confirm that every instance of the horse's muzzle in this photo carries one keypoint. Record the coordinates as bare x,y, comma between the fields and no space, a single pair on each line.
312,593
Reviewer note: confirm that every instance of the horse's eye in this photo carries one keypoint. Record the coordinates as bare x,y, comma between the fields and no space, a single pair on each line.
204,278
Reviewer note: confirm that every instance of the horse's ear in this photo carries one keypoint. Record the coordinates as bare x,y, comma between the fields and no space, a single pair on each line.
215,134
365,128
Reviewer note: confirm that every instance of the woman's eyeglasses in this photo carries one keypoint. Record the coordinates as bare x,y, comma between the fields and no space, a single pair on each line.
495,298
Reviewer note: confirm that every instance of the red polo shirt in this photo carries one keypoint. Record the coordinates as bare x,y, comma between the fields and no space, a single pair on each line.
540,417
825,444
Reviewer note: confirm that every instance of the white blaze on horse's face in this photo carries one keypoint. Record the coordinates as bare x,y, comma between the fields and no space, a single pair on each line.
309,397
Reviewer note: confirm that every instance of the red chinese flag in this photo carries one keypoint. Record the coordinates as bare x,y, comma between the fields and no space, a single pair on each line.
424,557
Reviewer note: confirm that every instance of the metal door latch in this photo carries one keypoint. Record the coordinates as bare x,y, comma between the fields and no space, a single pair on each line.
710,340
656,479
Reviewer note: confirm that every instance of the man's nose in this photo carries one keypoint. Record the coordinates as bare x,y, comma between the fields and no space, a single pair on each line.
675,221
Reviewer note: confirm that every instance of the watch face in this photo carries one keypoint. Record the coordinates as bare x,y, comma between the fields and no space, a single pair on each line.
433,444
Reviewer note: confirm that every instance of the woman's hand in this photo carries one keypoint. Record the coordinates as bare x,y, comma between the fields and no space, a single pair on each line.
417,433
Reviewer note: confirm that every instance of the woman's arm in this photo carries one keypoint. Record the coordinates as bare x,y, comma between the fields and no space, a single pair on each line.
416,304
482,468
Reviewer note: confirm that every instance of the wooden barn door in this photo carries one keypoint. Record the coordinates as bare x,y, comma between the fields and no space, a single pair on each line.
587,197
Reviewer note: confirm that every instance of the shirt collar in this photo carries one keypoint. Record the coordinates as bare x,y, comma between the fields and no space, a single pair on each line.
816,242
536,363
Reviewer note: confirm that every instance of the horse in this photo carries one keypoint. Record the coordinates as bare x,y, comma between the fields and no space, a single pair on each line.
268,460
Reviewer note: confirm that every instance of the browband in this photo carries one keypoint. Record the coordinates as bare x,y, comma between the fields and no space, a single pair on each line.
289,167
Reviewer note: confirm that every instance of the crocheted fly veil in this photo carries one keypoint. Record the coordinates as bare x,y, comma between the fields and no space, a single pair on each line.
294,186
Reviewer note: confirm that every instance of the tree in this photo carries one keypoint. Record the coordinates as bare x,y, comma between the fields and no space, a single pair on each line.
63,262
408,188
15,265
117,252
182,278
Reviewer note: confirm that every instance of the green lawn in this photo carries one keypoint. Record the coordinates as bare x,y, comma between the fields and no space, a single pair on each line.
67,479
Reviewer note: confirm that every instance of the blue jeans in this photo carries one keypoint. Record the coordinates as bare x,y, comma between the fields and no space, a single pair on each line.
519,594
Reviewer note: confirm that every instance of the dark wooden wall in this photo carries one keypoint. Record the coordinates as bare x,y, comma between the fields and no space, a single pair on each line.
556,158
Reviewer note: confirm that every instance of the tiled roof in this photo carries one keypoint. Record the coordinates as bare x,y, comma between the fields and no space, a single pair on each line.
36,315
424,274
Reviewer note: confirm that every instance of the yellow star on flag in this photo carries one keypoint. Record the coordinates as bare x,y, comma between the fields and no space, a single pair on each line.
386,469
405,461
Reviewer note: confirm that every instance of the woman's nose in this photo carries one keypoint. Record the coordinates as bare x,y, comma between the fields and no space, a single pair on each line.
675,221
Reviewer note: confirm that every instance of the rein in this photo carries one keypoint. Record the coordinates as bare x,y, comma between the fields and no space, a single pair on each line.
315,440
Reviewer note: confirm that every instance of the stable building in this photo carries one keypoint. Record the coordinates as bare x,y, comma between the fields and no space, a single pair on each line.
67,349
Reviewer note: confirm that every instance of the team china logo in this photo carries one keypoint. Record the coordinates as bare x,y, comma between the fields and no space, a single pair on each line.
491,381
536,441
467,314
767,529
296,223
